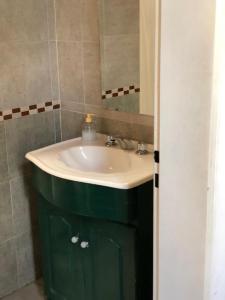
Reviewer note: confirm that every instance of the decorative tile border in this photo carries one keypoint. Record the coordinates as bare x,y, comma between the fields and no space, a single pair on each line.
126,90
19,112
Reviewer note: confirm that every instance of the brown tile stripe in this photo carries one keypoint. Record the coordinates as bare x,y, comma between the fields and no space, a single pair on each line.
7,117
56,106
40,110
19,112
15,110
126,90
34,106
25,113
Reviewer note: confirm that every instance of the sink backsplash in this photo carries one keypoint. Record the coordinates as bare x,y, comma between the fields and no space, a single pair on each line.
71,123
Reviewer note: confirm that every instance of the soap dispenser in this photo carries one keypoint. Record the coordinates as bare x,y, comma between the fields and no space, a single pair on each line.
89,129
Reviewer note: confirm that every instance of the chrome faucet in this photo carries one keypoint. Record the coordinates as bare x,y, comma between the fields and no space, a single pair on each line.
142,149
111,141
124,144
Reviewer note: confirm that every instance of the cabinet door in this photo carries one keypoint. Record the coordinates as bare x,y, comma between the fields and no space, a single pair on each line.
62,258
109,262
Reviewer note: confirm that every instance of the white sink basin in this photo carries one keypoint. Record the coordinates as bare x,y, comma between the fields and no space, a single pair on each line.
94,164
96,159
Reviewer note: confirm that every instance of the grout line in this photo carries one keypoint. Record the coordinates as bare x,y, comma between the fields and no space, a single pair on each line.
11,204
109,36
49,49
57,50
57,63
83,73
82,53
13,237
51,57
60,124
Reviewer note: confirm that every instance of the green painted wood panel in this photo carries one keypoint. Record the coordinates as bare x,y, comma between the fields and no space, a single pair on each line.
87,199
118,224
62,260
110,263
105,270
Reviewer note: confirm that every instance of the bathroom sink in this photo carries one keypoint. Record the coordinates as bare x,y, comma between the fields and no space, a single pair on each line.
96,159
94,163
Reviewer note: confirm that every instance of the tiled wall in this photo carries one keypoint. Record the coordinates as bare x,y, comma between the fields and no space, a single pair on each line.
50,51
78,51
72,122
28,82
119,36
79,68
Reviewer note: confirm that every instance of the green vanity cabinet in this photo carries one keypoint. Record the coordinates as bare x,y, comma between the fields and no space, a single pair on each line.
91,252
109,261
62,262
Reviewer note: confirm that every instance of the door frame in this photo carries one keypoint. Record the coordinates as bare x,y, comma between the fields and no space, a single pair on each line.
156,146
214,288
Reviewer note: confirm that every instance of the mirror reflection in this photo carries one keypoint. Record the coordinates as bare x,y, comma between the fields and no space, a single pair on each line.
127,55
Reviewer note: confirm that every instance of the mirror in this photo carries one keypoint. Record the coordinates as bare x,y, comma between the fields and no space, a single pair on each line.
127,37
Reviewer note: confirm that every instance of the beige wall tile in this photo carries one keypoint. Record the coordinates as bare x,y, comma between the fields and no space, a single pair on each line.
71,124
99,111
142,133
35,289
25,73
6,231
79,84
71,71
28,258
141,119
131,131
128,103
92,75
121,61
23,205
3,156
90,21
23,20
68,16
57,125
1,102
53,62
8,274
73,106
95,109
77,20
120,17
51,20
29,75
26,134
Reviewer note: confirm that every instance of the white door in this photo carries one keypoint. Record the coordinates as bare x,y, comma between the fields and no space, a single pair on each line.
182,129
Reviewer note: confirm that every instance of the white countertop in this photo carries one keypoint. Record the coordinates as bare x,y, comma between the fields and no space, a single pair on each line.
94,163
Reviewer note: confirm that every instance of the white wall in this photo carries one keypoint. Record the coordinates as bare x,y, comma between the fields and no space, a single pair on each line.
215,259
187,43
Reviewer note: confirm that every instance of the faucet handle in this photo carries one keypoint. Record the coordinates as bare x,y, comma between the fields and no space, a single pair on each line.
111,141
142,149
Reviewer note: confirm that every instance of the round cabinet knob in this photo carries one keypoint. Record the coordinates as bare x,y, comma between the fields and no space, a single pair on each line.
74,239
84,245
